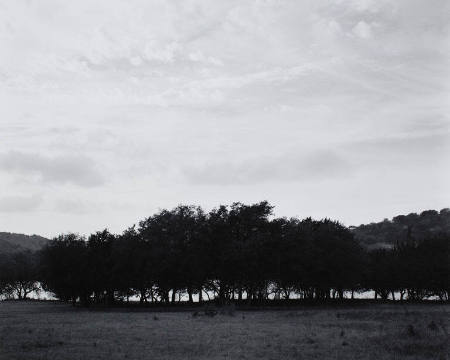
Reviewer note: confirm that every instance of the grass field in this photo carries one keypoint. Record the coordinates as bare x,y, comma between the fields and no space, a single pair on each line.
38,330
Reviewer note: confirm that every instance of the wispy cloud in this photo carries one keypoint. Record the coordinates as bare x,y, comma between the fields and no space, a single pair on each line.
150,102
316,166
20,203
69,169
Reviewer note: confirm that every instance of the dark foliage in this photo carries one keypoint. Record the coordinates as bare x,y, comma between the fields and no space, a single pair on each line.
233,253
18,274
387,233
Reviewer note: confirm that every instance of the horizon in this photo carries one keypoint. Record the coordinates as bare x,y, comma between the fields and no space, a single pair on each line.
272,216
112,110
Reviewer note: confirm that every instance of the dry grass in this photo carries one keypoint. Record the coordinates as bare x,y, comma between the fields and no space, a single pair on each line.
57,331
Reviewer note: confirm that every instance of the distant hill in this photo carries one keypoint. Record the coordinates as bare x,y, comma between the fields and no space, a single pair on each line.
10,242
388,232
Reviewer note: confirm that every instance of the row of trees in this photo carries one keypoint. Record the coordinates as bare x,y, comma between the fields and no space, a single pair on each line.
235,253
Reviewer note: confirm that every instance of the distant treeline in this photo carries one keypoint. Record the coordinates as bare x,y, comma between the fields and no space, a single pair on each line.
10,242
387,233
236,252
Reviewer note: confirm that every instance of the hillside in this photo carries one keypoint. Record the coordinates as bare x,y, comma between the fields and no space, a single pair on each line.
418,226
10,242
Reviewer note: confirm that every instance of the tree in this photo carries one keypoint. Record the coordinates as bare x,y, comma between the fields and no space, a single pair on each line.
100,265
176,247
19,274
64,268
131,272
380,275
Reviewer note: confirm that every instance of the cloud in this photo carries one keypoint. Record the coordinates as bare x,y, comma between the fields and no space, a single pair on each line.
408,153
69,169
19,203
407,145
179,53
315,166
362,30
223,93
71,206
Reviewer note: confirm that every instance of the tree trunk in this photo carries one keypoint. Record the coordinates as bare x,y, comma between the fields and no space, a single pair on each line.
174,292
110,297
249,296
221,294
142,297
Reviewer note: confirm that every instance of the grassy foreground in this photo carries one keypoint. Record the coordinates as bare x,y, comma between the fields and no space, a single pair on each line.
38,330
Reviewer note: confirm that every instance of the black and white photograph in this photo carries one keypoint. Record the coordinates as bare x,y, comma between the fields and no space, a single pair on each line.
224,179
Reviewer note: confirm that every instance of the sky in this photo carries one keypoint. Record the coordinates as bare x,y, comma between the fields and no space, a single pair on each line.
111,110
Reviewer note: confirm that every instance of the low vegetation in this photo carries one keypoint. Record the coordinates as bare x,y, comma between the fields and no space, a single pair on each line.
44,330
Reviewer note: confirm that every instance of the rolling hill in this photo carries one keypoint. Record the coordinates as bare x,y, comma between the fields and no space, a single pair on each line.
387,233
11,242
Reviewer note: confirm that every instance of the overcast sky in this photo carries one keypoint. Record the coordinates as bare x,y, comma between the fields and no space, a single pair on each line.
111,110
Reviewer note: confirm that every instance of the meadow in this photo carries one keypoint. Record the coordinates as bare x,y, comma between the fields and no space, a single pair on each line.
50,330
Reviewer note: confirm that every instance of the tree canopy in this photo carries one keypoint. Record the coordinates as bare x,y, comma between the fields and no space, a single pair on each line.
238,252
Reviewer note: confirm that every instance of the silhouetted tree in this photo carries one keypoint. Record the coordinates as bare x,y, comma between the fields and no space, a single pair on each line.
380,273
100,265
131,265
19,274
64,268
